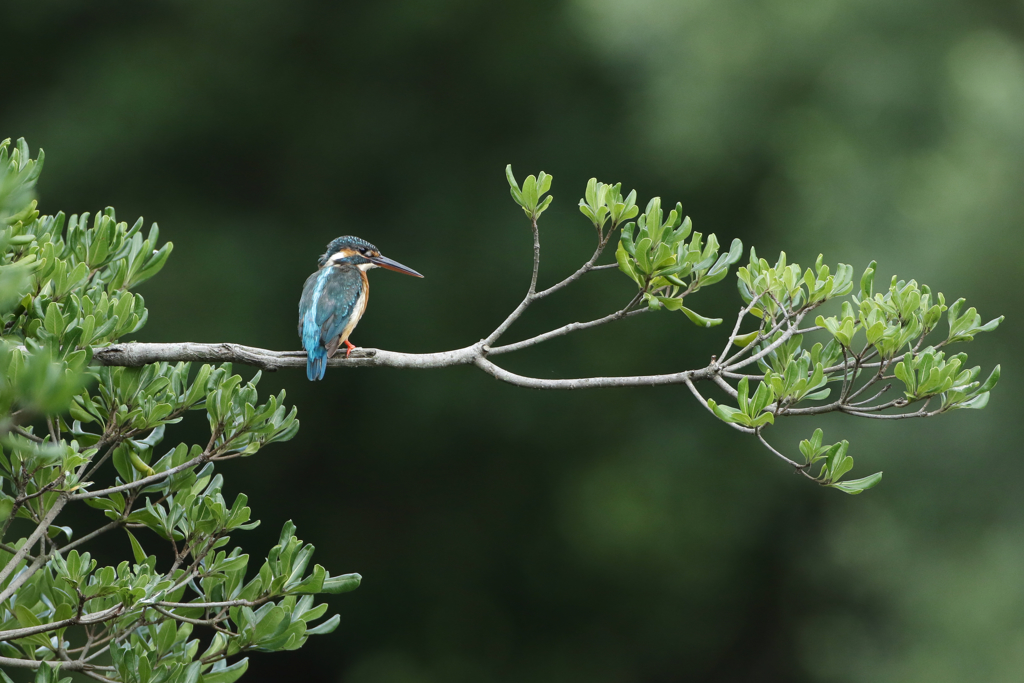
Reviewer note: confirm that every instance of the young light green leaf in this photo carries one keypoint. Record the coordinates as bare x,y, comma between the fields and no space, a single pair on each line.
855,486
700,320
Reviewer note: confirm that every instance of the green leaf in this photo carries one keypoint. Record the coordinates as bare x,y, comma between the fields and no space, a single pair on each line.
137,552
811,449
269,623
762,397
837,463
326,627
511,178
745,340
727,413
228,674
26,619
341,584
671,303
626,264
855,486
25,616
700,320
154,265
311,584
643,256
976,403
544,205
867,281
991,382
6,506
517,194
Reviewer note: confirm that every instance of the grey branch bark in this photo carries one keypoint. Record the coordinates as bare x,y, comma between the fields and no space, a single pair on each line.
92,618
44,524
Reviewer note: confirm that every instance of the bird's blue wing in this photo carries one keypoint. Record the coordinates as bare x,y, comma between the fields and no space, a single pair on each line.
341,294
328,302
306,302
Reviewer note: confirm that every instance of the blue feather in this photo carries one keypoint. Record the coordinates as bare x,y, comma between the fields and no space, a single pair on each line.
316,354
316,363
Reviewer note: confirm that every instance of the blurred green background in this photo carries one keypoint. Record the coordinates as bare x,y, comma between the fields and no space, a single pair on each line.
615,536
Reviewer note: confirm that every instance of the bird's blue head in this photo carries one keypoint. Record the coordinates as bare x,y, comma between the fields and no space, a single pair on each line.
353,251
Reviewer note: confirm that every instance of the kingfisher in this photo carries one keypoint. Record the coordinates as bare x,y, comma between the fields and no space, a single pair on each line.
334,299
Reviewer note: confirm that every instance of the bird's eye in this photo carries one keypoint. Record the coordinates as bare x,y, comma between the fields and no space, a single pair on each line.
362,250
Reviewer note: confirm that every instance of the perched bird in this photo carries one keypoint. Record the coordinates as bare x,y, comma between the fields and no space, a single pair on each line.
334,299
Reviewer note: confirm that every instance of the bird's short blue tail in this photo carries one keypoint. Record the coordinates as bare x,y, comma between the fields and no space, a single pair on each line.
316,363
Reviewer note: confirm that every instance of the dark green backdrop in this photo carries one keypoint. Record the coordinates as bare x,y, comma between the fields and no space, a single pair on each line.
617,536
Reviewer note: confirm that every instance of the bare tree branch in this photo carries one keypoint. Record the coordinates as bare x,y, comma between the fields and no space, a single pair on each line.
703,402
802,469
25,574
35,664
530,294
625,312
736,328
226,603
196,622
41,528
145,481
584,269
94,618
91,535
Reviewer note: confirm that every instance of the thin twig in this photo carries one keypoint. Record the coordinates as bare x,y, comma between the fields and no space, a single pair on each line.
584,269
88,537
96,676
93,618
802,469
226,603
739,320
703,402
25,433
530,294
625,312
899,416
867,400
187,620
717,379
145,481
35,664
733,367
46,489
41,529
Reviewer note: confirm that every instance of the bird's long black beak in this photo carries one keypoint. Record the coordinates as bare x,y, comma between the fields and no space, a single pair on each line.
390,264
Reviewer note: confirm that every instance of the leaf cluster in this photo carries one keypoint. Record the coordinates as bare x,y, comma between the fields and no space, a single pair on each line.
668,260
67,425
876,336
530,197
836,464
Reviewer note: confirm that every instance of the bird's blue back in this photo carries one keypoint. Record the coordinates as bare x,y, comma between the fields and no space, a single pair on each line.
329,300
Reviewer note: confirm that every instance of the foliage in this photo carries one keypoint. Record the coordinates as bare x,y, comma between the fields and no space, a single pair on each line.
668,261
64,292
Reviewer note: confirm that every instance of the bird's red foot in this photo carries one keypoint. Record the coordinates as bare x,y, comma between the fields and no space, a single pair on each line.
349,348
